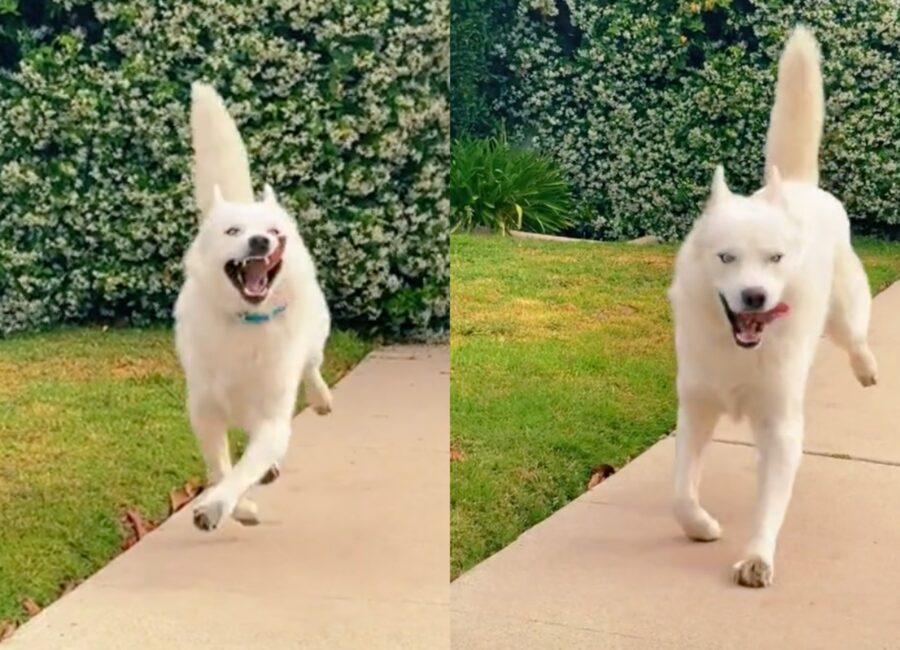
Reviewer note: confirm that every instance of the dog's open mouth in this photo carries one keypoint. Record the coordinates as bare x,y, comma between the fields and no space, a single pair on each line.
747,326
253,275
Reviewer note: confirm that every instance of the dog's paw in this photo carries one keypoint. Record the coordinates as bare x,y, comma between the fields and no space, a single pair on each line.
698,524
868,380
320,399
246,512
753,571
864,367
207,516
271,474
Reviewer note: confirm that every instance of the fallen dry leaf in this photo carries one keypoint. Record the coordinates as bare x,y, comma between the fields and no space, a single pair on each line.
6,629
599,473
69,586
179,497
138,524
31,607
455,454
139,528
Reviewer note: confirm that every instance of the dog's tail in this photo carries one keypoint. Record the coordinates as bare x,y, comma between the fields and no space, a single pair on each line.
795,128
219,154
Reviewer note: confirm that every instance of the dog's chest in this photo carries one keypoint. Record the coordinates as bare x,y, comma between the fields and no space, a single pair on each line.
252,371
257,355
747,383
250,363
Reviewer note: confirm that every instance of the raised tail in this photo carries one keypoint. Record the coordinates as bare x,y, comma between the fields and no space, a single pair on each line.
220,157
795,128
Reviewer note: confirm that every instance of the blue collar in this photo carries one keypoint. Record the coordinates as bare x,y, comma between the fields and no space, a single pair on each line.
255,318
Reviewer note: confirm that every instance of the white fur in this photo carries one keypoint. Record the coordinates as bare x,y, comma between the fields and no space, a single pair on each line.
792,143
819,278
241,374
220,158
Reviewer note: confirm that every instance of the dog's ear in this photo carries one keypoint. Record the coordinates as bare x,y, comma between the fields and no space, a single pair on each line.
269,195
217,199
773,192
719,190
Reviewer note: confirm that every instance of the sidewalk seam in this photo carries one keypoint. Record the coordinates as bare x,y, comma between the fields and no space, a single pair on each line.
568,626
822,454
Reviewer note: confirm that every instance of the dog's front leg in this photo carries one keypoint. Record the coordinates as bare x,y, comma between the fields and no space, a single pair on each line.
780,442
696,420
211,430
268,444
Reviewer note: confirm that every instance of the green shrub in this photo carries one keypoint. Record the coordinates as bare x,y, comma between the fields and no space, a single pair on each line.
639,101
343,106
500,187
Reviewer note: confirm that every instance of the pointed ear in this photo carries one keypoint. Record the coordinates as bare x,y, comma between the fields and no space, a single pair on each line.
217,195
719,190
269,194
773,192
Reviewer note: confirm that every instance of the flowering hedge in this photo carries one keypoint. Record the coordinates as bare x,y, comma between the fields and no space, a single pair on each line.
638,101
343,106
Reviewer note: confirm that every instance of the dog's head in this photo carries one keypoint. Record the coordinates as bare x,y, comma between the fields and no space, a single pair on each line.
750,247
241,249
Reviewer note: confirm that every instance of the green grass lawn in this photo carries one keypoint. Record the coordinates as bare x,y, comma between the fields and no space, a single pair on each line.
92,422
562,359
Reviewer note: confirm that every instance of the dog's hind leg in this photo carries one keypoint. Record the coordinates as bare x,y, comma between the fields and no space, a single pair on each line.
316,390
268,444
212,434
848,316
696,421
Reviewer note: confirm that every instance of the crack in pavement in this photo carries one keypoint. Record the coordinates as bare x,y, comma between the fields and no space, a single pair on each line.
822,454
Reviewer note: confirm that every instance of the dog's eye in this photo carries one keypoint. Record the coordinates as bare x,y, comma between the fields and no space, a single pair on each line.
776,258
234,230
727,258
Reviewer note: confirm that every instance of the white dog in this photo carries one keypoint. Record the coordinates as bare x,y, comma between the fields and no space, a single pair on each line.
251,319
757,282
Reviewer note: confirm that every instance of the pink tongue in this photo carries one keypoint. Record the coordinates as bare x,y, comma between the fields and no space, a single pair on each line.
764,317
779,310
256,279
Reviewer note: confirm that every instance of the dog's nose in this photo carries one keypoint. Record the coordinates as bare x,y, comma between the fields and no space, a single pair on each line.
259,245
753,298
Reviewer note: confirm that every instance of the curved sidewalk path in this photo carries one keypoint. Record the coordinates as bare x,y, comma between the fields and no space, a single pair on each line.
611,569
351,552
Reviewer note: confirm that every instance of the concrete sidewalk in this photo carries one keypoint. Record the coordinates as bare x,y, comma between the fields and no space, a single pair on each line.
351,552
612,570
